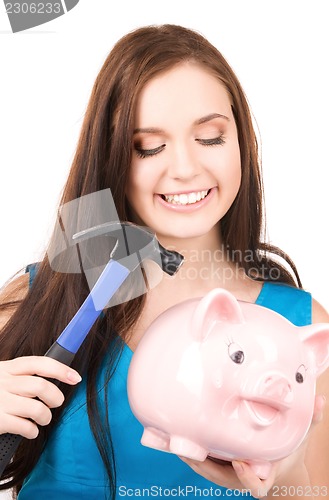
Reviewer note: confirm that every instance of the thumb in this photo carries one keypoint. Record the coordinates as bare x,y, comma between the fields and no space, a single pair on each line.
319,405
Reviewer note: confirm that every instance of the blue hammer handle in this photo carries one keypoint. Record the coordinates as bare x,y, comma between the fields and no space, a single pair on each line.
69,341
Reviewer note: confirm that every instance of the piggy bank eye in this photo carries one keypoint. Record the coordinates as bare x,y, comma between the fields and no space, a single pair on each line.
300,374
235,353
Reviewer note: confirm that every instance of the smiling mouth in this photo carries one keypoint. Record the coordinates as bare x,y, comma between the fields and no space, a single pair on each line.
185,198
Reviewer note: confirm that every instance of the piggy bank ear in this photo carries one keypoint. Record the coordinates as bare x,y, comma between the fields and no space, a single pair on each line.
217,306
316,340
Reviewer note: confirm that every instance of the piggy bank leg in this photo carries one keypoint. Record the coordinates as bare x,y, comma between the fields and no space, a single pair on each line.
261,469
154,438
186,448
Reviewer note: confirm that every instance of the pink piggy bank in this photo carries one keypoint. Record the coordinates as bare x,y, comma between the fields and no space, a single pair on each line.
229,379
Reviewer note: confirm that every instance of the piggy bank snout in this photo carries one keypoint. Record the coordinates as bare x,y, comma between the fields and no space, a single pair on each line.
275,390
278,388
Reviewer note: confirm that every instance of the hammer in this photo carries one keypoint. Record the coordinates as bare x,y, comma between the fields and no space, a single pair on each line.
131,246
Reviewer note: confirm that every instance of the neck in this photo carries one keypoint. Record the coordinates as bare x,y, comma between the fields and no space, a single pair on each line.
207,264
210,243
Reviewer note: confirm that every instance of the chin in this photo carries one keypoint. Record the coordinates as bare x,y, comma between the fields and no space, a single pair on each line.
177,226
185,233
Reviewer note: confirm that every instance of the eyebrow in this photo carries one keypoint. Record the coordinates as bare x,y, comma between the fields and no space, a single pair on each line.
210,117
149,130
199,121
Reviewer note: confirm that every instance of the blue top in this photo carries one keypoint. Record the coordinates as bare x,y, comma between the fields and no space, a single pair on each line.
71,466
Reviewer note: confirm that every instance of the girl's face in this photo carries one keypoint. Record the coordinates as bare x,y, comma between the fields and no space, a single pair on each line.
186,170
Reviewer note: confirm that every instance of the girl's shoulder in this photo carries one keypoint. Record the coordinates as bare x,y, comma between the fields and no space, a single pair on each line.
319,313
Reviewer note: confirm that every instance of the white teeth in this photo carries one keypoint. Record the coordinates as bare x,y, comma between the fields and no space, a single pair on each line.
192,197
185,199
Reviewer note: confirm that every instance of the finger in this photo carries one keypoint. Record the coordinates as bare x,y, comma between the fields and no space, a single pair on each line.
35,387
258,488
217,473
29,409
44,367
19,426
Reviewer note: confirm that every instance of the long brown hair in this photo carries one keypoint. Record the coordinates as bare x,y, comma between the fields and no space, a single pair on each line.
102,160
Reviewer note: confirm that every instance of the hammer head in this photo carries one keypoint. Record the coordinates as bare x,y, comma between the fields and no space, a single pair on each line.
84,242
132,245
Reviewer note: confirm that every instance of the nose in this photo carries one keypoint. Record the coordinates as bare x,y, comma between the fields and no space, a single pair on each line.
277,388
183,164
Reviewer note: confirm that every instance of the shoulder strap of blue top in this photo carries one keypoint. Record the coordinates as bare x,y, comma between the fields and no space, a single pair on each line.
293,303
32,269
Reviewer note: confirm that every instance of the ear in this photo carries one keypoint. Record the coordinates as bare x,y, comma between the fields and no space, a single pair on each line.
316,340
217,306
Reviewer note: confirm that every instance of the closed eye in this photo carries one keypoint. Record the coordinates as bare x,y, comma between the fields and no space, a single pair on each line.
145,153
216,141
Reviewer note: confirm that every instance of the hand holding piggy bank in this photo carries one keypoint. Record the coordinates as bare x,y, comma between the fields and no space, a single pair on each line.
229,379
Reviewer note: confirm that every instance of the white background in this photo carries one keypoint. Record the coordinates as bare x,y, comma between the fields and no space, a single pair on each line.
279,50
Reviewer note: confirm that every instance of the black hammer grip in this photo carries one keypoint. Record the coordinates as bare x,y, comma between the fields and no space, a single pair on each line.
10,442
